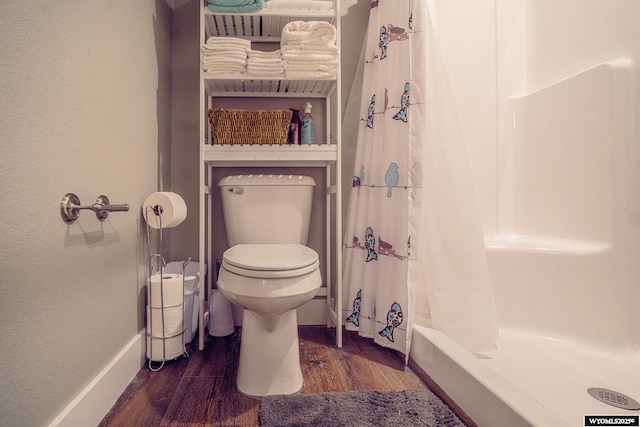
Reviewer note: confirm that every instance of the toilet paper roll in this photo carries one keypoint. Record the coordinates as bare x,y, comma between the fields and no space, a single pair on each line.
159,349
171,318
168,205
166,292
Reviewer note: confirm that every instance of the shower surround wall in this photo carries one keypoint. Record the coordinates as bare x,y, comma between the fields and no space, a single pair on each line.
564,230
557,180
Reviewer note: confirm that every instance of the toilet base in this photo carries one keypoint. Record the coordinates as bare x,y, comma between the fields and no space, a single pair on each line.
269,361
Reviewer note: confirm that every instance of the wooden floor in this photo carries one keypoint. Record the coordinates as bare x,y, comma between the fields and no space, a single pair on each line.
201,390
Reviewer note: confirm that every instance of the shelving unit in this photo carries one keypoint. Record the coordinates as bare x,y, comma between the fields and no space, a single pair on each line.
265,26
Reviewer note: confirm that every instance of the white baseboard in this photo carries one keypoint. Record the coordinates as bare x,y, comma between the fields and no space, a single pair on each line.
95,401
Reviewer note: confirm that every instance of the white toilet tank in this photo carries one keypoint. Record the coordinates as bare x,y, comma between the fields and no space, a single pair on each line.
267,208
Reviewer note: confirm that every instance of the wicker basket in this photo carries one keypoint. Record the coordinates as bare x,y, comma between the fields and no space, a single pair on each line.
247,127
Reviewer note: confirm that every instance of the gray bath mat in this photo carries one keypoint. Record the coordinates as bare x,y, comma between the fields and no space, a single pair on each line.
357,408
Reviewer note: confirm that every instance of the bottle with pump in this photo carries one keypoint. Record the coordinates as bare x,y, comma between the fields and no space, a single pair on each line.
308,133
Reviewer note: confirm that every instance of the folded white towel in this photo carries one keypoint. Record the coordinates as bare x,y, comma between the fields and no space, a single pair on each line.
302,49
256,66
264,58
276,62
265,71
265,63
266,55
310,66
224,54
223,61
224,71
308,33
224,68
299,4
309,57
224,64
228,41
238,49
227,70
315,42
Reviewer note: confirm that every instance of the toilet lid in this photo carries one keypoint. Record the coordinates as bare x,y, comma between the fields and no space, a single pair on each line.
271,258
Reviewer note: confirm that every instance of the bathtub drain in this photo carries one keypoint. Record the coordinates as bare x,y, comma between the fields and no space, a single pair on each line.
614,398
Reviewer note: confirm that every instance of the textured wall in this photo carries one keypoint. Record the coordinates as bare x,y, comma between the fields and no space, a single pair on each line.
185,150
84,89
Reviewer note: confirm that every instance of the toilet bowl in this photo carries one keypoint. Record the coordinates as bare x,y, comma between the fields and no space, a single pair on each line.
269,272
269,282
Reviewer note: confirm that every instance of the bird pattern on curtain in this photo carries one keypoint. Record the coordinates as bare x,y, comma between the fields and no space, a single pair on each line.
377,241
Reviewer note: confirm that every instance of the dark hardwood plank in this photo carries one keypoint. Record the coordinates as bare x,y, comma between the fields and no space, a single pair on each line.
394,373
193,402
234,408
201,390
146,399
319,365
212,361
357,366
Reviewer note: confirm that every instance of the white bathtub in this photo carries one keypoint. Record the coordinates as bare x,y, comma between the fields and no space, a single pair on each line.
565,264
529,380
568,322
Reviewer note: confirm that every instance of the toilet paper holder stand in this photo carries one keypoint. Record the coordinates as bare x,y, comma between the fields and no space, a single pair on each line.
70,207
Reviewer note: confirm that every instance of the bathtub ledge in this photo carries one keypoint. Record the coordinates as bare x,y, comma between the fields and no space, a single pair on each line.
487,398
544,244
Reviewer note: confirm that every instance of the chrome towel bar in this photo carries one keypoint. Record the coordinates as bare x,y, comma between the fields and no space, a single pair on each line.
70,207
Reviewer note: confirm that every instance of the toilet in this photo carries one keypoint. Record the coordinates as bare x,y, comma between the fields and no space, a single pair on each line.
268,272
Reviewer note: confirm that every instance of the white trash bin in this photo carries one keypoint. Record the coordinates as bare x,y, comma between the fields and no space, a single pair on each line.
220,315
191,303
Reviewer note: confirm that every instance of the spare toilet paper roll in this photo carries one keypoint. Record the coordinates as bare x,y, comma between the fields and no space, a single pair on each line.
165,290
171,318
168,205
159,349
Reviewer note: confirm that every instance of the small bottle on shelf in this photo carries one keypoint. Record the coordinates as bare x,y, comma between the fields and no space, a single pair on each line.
294,128
308,133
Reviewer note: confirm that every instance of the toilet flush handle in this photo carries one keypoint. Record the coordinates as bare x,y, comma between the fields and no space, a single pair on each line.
236,190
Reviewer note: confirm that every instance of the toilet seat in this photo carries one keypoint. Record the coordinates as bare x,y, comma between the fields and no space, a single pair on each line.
270,260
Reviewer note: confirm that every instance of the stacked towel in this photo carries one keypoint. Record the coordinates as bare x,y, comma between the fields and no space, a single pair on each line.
265,63
299,4
235,6
309,50
225,55
318,33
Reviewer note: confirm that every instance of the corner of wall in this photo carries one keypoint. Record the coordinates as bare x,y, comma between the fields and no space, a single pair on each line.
97,398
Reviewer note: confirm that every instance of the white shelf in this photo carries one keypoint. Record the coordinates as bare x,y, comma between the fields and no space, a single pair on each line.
270,155
247,85
262,26
265,26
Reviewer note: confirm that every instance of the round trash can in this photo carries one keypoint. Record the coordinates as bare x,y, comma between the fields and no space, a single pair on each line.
220,315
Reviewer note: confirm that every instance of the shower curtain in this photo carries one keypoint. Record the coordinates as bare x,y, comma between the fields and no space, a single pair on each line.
414,250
